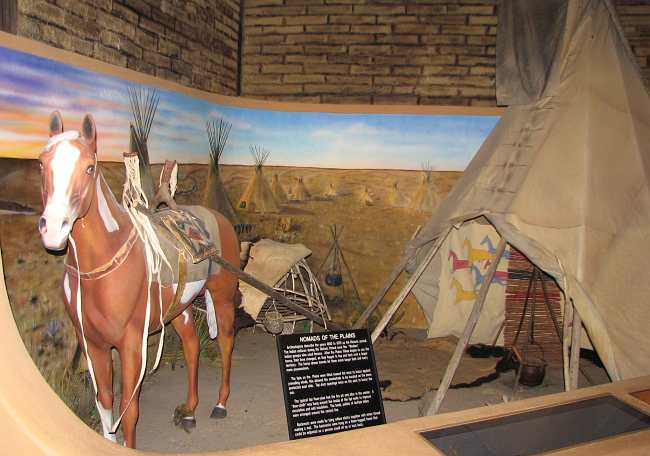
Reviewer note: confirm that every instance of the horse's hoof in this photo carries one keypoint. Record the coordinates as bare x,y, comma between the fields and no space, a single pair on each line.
218,412
188,424
184,418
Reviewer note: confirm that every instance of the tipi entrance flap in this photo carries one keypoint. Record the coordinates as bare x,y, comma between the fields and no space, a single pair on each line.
566,181
449,286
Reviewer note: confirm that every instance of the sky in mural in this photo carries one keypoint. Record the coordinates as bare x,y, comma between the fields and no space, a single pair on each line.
32,87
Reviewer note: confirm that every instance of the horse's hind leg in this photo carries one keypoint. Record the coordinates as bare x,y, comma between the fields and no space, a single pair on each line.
221,288
184,326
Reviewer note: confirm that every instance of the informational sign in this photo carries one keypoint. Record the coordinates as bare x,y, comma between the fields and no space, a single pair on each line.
330,382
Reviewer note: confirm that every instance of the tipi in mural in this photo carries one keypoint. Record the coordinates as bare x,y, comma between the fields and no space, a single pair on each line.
299,191
365,197
331,192
425,198
215,196
258,196
396,198
144,105
278,190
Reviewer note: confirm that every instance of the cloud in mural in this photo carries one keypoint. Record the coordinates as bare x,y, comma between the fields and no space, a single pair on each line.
237,124
31,87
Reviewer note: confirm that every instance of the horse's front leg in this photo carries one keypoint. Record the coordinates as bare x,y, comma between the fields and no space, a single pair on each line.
184,326
103,367
130,352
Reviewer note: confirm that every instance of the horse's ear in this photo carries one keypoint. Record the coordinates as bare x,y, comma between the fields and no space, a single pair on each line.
56,123
88,129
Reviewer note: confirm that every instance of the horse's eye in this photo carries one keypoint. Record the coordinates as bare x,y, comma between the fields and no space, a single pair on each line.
40,166
90,170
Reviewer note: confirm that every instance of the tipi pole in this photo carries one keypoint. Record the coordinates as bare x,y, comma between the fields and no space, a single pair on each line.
467,332
345,263
549,308
272,293
326,257
574,364
566,337
409,285
363,319
334,244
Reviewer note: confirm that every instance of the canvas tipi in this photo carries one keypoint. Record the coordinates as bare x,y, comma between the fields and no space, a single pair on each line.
396,198
565,180
299,191
215,196
425,198
278,190
258,196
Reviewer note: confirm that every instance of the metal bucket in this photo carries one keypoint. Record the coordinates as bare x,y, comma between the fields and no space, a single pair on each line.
333,279
532,372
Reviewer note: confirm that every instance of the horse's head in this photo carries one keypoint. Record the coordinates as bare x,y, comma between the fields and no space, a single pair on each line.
68,173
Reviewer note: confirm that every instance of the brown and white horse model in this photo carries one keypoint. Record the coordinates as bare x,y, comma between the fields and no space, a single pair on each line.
80,206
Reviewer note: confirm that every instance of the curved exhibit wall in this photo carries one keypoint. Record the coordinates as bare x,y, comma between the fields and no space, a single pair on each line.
365,153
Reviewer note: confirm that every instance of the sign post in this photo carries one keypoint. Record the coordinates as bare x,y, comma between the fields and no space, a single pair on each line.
329,382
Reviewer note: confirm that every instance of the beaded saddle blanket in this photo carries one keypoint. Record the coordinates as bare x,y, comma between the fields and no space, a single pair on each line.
189,232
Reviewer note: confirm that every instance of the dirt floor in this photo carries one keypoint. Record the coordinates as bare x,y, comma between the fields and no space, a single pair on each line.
256,408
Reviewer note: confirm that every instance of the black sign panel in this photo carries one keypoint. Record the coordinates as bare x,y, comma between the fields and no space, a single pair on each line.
330,382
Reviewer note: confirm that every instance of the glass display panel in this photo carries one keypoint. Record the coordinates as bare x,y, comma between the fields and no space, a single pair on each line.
541,430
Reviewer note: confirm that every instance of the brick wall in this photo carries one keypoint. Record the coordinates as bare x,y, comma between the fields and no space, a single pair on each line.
330,51
193,42
635,19
386,51
365,51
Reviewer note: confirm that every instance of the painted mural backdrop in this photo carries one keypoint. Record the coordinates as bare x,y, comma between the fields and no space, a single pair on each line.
31,87
359,172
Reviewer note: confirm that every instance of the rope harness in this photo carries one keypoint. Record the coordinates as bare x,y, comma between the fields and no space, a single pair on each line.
105,269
